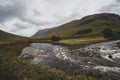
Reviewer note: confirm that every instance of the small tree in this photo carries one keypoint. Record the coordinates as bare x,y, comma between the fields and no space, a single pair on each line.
55,39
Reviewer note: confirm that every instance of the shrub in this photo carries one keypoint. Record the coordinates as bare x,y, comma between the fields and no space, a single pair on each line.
55,39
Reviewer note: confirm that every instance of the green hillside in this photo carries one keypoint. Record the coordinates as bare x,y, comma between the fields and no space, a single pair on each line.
89,26
7,37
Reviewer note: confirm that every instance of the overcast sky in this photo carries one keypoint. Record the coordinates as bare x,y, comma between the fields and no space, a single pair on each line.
25,17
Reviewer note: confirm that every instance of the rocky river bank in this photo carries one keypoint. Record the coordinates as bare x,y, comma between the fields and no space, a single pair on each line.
101,59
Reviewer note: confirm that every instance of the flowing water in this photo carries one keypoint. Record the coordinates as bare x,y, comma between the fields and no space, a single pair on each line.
104,57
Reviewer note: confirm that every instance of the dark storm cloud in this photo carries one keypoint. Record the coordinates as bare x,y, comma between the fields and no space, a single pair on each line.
12,10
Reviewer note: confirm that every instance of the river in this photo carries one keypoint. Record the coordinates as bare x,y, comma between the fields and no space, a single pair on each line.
103,57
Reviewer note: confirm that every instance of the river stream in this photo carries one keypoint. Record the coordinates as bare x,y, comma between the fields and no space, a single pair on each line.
104,57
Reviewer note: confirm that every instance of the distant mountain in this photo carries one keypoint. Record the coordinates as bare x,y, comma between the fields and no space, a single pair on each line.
7,37
40,33
89,26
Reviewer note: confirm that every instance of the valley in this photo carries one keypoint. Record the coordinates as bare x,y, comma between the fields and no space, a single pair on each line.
85,49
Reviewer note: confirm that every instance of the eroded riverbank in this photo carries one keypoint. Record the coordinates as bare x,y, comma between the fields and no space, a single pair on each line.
97,59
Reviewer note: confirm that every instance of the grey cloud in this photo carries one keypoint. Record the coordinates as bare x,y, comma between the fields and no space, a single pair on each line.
20,26
117,0
113,8
34,21
9,11
23,26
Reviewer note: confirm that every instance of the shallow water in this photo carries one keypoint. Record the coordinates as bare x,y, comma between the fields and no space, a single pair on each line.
105,49
43,50
65,58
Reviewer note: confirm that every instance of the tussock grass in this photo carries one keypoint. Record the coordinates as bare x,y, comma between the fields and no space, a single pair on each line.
79,41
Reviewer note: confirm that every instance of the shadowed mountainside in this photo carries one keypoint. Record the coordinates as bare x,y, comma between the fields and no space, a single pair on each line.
40,33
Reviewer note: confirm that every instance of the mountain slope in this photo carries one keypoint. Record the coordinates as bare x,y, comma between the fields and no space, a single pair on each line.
89,26
40,33
7,37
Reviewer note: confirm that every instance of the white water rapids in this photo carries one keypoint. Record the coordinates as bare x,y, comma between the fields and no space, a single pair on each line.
51,54
105,49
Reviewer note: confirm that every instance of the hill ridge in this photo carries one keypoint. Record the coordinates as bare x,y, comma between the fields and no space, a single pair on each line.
95,24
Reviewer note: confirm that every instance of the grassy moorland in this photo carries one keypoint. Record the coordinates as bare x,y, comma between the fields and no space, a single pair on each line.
71,41
79,41
14,68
